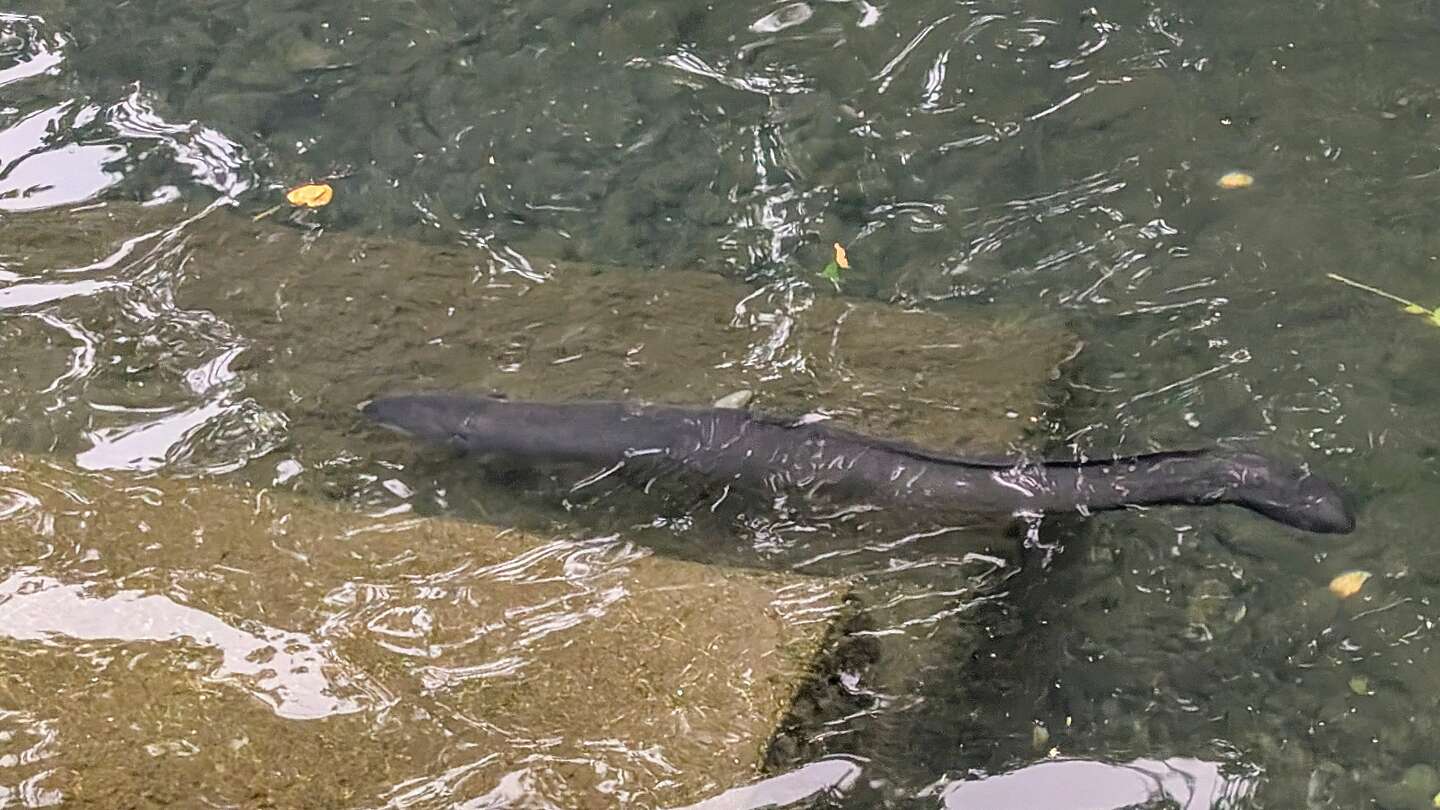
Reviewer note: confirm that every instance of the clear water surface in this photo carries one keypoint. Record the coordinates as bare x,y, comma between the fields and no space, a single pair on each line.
1057,162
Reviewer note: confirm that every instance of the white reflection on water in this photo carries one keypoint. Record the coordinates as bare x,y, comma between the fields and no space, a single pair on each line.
40,172
20,296
1079,784
62,176
781,18
297,677
34,56
146,446
214,160
173,434
827,777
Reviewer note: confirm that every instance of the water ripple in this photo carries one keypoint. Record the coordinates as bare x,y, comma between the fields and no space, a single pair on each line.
15,503
294,675
28,48
26,743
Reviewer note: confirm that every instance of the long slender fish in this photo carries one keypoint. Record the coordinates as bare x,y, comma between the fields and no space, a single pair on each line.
819,460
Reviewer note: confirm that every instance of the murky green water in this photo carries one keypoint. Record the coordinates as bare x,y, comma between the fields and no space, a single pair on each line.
1042,166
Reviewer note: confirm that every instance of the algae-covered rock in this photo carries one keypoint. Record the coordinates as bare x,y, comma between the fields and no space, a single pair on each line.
185,641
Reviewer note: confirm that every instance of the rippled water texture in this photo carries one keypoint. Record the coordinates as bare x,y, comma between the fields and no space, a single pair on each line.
582,199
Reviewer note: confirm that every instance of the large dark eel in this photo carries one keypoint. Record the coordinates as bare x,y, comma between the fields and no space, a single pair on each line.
817,459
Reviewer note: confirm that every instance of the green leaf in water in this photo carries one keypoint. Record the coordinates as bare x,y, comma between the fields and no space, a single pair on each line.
1416,309
840,262
1360,685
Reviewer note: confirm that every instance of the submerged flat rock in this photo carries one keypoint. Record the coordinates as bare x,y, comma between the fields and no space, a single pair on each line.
434,661
186,641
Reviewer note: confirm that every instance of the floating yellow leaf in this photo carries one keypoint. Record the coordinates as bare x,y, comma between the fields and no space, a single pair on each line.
841,260
310,195
1360,685
1232,180
1349,583
1431,315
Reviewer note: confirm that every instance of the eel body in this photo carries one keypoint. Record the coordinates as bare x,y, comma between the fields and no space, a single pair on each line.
816,460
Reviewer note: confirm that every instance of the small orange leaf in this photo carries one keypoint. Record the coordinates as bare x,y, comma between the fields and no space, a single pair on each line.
1234,180
841,259
1349,583
310,195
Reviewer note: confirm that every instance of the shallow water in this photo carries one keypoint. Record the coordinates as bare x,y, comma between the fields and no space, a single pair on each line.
1050,165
